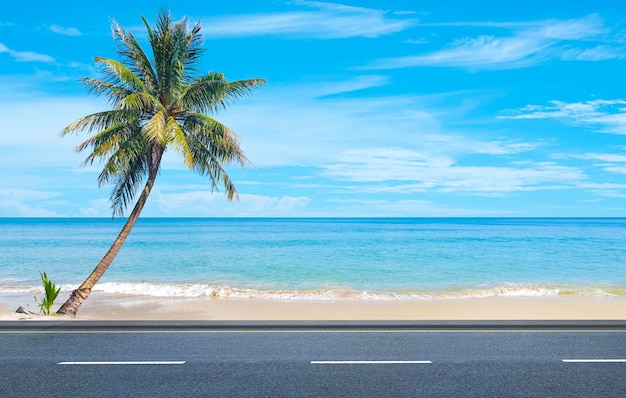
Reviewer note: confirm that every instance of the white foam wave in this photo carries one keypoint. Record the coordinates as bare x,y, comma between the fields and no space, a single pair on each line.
21,289
201,290
164,290
513,291
11,280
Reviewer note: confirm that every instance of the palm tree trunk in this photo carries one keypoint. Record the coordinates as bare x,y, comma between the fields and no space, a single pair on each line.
70,307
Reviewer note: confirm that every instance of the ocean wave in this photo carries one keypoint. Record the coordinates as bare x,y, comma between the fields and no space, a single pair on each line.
164,290
11,280
21,289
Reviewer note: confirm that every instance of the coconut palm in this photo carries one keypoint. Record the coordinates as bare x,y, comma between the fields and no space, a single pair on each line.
158,103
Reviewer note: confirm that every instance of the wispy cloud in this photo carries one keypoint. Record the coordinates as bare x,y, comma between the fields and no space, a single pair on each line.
607,190
363,82
527,45
602,157
608,162
26,202
503,146
607,116
318,19
406,171
204,203
65,31
421,40
598,53
26,56
412,207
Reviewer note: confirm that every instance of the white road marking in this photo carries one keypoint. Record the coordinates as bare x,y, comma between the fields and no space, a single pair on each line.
125,363
367,362
594,360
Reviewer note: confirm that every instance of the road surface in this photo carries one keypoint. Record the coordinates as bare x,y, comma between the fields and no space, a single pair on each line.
312,359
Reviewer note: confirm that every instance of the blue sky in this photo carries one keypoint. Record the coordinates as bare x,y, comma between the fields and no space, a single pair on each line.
372,108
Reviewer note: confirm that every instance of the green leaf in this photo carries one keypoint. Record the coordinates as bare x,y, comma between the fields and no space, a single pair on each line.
50,291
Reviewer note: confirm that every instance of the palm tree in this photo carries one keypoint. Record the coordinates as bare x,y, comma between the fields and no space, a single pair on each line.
158,103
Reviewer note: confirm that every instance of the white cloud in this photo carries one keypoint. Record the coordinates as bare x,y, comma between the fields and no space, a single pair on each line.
207,204
421,40
26,194
609,162
607,116
97,208
383,164
351,85
325,21
603,157
408,208
607,190
26,56
21,203
65,31
290,203
616,169
528,45
598,53
425,172
480,52
461,144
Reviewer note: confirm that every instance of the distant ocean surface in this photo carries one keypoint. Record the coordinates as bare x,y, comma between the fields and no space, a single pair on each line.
292,259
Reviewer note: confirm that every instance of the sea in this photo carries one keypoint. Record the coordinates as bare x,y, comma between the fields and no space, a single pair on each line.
322,258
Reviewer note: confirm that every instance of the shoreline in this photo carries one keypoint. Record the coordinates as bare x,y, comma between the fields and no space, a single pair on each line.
115,307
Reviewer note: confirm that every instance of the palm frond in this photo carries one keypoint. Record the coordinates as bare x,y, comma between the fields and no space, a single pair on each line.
188,51
143,103
178,139
155,129
127,184
133,54
212,92
207,163
100,121
116,162
118,73
105,142
224,143
193,50
163,50
111,90
127,169
213,144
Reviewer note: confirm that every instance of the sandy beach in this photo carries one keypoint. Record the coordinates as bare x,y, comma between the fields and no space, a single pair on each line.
110,307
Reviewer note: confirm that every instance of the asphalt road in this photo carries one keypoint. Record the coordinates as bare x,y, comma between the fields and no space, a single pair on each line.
300,359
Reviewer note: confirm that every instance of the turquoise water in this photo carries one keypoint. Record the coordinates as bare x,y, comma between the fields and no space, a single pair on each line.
398,258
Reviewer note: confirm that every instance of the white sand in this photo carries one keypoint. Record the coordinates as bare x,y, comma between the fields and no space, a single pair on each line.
103,307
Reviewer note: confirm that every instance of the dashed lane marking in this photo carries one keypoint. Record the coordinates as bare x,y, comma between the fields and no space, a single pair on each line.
367,362
616,360
125,363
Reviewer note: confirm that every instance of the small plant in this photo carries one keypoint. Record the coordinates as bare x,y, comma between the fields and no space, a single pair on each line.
51,293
